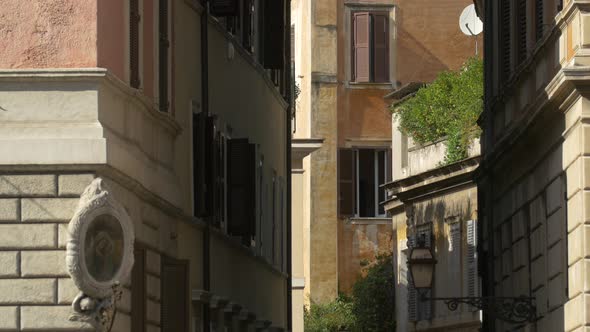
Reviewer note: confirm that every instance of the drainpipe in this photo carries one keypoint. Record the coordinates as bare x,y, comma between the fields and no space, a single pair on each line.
205,110
289,98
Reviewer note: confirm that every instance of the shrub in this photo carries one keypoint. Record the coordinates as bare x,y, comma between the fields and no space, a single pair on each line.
334,316
446,108
373,297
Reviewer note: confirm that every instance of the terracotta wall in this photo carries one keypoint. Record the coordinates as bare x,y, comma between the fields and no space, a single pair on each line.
112,35
429,39
48,33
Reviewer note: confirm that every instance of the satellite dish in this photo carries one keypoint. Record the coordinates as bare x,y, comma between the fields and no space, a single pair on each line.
469,23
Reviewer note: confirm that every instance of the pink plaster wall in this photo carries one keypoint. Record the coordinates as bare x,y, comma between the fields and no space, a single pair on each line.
48,33
148,48
112,35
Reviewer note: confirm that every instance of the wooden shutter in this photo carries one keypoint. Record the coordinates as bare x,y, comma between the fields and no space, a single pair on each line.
539,19
241,189
247,41
346,187
224,7
134,19
505,39
163,48
380,47
274,34
360,46
471,259
138,291
175,291
521,22
203,152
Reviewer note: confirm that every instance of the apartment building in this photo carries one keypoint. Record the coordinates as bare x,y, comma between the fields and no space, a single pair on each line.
533,175
145,165
426,198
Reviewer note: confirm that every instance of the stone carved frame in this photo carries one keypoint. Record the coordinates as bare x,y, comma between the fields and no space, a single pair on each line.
97,201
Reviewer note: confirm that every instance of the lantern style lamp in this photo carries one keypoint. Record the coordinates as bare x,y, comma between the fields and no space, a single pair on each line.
421,264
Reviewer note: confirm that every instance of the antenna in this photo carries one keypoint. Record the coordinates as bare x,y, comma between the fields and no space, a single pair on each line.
470,24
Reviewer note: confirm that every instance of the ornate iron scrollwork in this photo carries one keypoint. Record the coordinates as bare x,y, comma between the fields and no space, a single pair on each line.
509,309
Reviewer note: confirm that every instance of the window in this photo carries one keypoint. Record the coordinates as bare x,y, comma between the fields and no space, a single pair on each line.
370,47
134,18
521,26
163,49
360,173
420,310
175,290
506,40
241,190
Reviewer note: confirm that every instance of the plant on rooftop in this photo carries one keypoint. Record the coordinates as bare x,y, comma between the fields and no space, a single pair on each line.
446,108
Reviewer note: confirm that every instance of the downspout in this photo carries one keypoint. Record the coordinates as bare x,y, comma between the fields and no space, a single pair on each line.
289,98
202,136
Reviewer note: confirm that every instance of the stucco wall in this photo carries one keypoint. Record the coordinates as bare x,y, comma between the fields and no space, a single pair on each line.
360,243
48,34
429,42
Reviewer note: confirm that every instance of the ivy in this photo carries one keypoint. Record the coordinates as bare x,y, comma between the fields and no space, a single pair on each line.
446,108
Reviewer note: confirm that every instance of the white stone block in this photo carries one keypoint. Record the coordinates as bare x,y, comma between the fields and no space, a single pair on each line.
48,209
44,263
8,318
153,262
28,236
27,185
122,323
8,264
50,318
66,291
153,312
27,291
153,287
63,236
9,210
73,184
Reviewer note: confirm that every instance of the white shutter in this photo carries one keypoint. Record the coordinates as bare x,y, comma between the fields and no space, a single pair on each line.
471,257
412,293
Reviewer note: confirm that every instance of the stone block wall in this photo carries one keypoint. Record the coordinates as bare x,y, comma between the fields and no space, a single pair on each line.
35,289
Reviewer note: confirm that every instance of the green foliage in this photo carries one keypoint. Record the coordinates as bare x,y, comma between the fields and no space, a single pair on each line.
370,309
446,108
373,304
330,317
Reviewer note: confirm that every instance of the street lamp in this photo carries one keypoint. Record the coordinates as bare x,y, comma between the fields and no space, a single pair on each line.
509,309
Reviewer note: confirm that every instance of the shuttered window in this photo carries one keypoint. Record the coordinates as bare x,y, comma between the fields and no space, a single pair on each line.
471,259
163,49
539,19
175,291
138,290
224,7
273,33
521,26
346,175
241,189
247,25
203,164
370,47
134,18
505,38
418,309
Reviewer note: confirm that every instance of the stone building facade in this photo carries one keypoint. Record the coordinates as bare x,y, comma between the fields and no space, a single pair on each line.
533,178
118,92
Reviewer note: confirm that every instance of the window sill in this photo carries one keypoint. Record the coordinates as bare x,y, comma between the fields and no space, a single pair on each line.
369,220
369,85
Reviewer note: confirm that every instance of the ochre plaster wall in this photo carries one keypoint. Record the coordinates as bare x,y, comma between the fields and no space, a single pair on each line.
48,33
358,243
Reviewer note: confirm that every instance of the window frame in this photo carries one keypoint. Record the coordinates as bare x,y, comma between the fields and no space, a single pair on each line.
349,10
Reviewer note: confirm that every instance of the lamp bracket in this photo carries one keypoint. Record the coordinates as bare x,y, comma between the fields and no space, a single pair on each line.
509,309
